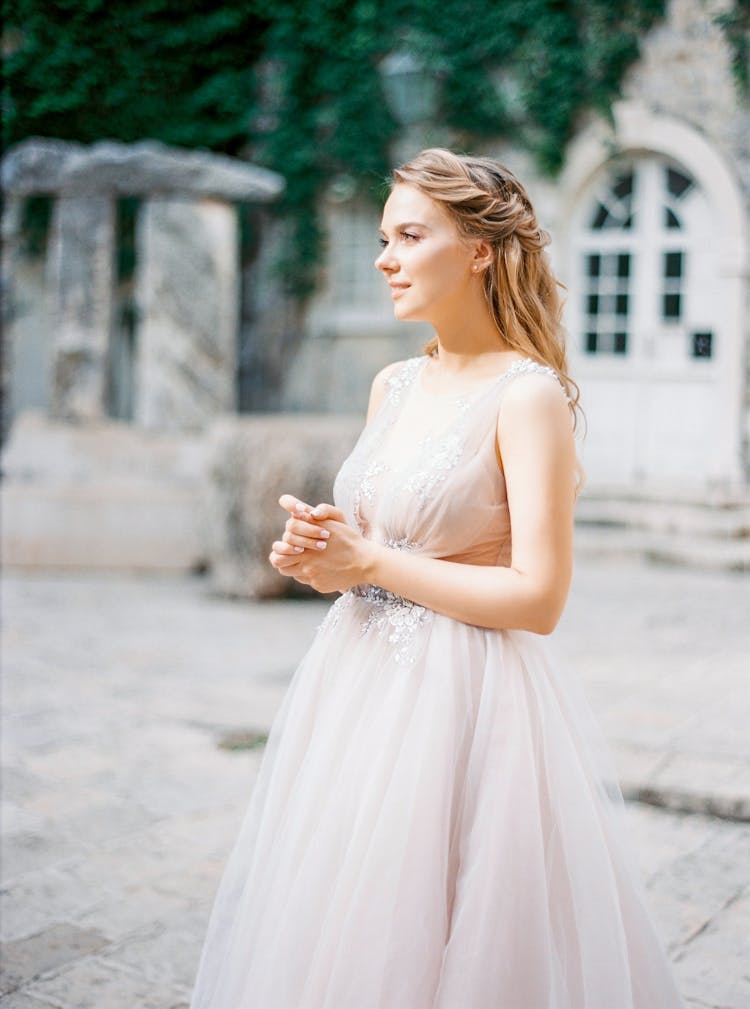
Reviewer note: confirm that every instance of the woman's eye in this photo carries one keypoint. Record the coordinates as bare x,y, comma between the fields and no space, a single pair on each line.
382,242
409,235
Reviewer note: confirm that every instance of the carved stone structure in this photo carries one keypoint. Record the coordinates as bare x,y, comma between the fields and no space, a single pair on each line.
80,269
80,488
187,279
187,297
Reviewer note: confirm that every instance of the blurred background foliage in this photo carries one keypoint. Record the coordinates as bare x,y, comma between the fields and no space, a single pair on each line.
298,86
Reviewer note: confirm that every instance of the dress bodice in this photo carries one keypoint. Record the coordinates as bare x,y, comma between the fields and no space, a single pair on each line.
424,475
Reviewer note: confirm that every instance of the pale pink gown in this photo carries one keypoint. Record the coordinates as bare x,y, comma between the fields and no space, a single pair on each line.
432,826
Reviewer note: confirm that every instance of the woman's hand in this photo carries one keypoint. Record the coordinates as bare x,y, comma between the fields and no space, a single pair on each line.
319,548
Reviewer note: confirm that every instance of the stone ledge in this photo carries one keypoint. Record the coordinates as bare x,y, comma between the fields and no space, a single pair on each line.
103,495
118,524
685,782
710,553
64,168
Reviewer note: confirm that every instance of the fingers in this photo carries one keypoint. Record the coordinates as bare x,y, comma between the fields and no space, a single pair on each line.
328,511
288,565
287,549
293,505
305,511
283,562
305,534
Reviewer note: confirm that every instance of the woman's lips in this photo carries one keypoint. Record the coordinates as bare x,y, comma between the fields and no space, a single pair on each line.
398,289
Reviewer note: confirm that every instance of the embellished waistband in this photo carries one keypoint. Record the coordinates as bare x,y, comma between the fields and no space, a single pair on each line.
376,594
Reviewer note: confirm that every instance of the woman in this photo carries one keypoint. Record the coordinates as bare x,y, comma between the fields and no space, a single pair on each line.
429,829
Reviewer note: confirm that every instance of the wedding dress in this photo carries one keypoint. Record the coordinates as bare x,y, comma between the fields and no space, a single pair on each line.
432,826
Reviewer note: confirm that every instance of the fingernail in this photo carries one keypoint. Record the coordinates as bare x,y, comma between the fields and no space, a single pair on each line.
321,544
317,512
324,534
299,550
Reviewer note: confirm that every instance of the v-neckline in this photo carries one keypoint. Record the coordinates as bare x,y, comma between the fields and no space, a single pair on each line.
469,396
465,403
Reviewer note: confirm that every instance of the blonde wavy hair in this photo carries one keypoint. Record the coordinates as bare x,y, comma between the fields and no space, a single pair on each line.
487,202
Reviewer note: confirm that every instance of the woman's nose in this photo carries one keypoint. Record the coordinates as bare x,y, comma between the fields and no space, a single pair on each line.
384,261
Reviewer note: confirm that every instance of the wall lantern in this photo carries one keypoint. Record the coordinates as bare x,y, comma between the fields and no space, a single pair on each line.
410,89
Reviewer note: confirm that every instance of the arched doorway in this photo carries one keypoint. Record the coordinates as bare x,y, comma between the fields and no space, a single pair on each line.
654,255
646,323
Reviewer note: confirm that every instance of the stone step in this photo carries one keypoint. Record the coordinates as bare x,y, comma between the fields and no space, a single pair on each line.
685,782
698,551
724,518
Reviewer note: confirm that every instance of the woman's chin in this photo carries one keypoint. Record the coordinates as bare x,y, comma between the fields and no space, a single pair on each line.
404,313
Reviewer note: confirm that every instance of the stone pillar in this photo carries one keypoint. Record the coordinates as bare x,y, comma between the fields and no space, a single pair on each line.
187,294
10,227
81,277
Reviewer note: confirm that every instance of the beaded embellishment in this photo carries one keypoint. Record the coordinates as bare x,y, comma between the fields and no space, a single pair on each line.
441,460
395,616
390,613
403,378
365,488
527,365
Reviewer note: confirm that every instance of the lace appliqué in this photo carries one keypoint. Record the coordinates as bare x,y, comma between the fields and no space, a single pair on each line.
394,616
403,378
441,459
332,617
442,455
391,614
528,365
403,544
365,489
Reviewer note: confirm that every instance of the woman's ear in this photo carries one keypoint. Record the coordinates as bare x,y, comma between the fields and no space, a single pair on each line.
483,257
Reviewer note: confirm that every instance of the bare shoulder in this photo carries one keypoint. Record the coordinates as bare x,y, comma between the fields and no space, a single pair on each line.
534,417
537,393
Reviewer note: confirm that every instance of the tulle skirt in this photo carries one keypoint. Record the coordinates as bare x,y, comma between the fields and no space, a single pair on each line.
433,827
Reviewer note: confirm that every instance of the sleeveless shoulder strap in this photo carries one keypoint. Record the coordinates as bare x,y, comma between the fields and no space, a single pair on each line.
528,366
401,378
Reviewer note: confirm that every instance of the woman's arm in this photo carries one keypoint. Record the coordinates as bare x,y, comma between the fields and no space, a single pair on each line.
535,443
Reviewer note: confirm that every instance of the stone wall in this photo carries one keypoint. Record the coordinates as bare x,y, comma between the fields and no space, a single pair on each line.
685,70
113,496
102,495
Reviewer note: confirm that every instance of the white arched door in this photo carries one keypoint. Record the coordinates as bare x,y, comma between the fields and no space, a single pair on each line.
647,326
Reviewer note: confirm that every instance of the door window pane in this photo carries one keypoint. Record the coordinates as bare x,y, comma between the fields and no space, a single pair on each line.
607,302
615,208
673,267
677,183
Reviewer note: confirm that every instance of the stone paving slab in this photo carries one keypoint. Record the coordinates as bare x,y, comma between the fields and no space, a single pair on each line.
44,952
120,806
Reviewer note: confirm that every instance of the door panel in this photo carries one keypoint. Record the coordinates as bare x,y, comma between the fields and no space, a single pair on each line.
645,321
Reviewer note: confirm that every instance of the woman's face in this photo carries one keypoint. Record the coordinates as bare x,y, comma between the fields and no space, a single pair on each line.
427,263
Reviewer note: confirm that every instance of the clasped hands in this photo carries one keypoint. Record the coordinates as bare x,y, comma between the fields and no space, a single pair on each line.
319,548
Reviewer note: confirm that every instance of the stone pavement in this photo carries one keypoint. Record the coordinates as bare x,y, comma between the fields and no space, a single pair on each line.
119,806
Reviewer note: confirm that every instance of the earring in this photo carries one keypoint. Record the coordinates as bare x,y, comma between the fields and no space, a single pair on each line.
475,268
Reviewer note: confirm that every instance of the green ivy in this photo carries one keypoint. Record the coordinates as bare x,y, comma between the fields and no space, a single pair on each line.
88,69
297,85
523,67
736,26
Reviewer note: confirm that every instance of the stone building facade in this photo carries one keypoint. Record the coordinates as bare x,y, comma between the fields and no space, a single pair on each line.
113,442
650,224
